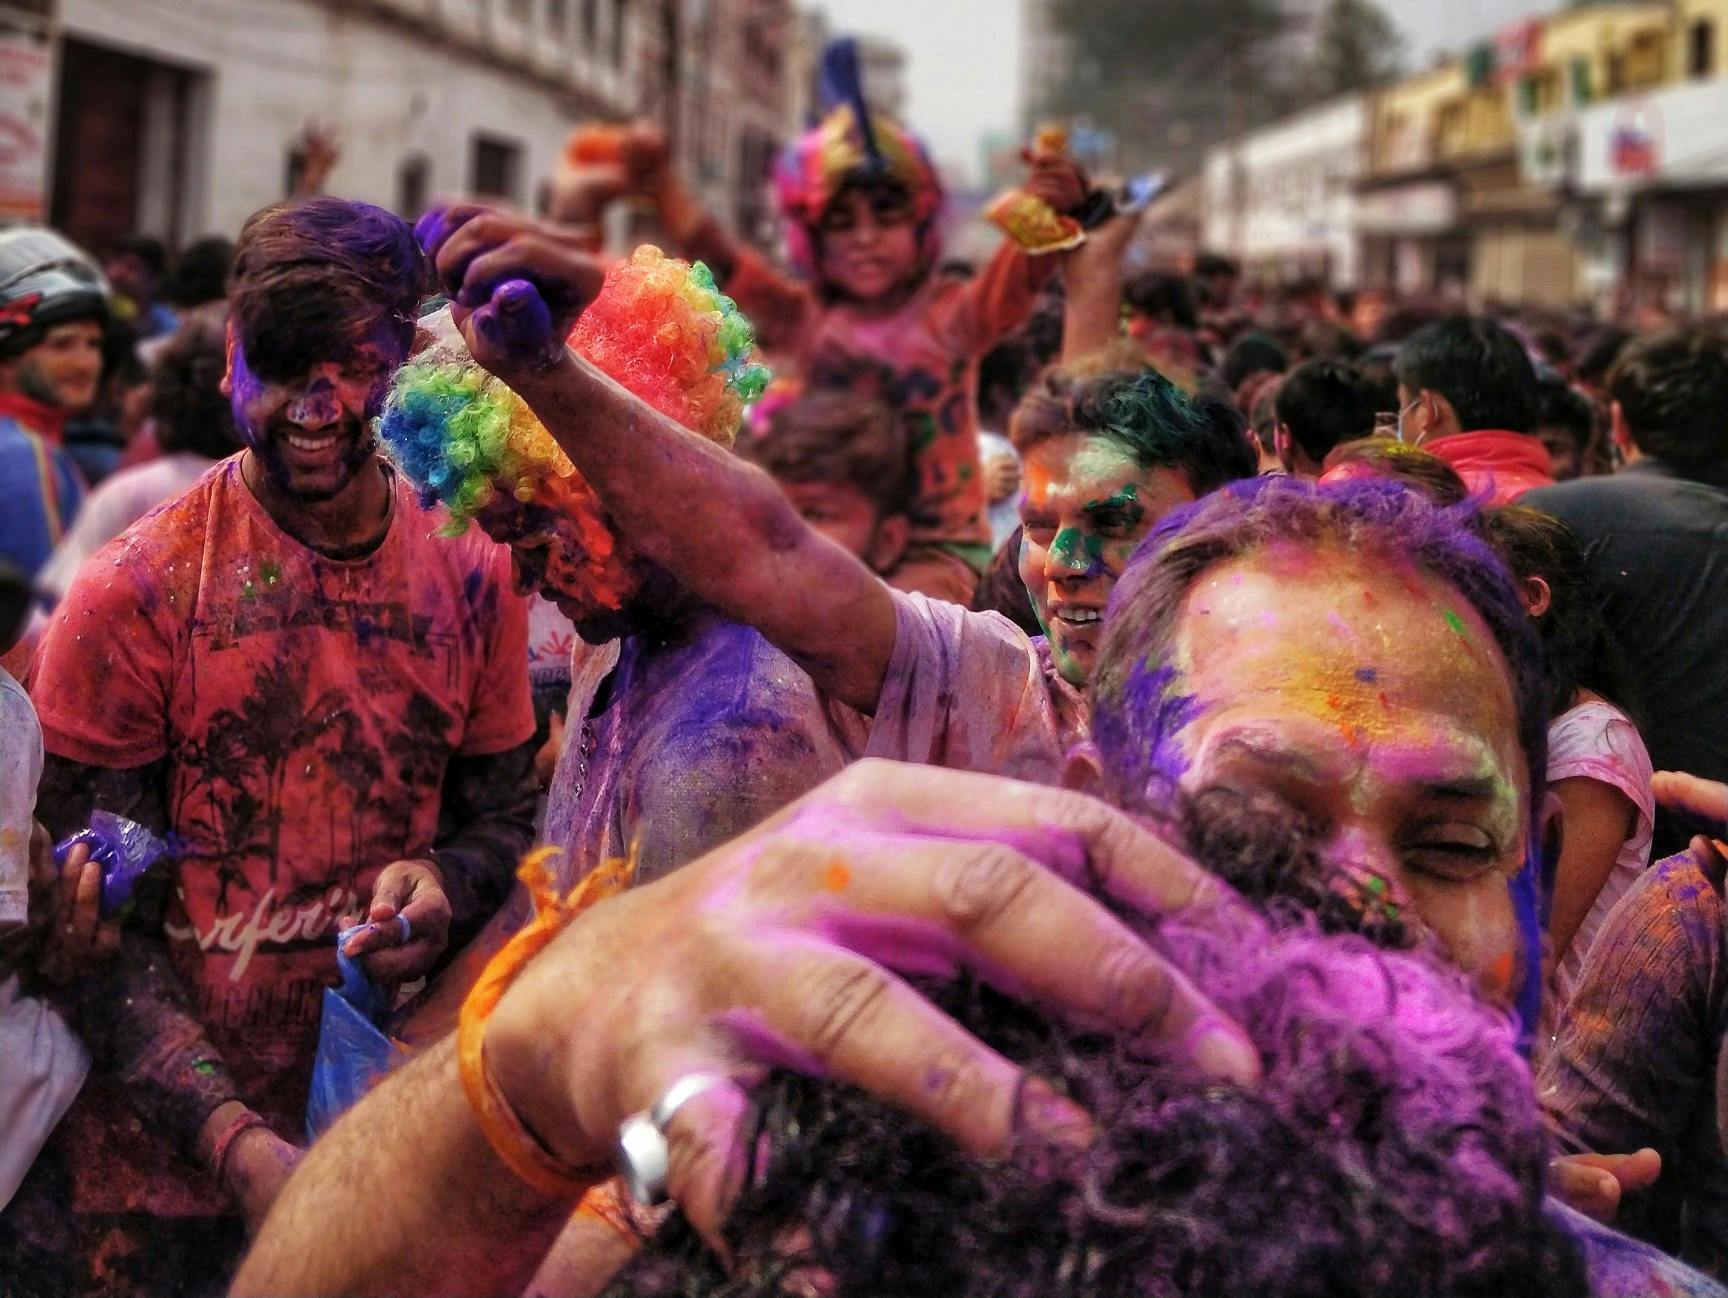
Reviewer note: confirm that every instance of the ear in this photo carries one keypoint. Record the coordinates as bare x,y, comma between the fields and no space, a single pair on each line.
226,387
1536,596
1285,445
889,543
1621,434
1083,772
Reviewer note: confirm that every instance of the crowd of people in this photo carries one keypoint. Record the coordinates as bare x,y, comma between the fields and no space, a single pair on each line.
1094,782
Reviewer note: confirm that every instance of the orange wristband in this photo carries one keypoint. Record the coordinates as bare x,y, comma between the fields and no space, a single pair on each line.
515,1146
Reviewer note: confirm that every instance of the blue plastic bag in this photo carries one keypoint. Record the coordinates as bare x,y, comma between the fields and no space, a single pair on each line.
352,1052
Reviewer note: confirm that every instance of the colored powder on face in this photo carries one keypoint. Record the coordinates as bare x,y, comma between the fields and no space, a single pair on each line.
1368,676
837,878
1457,624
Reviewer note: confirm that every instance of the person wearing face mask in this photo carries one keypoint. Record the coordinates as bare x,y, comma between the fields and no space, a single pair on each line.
1468,392
286,673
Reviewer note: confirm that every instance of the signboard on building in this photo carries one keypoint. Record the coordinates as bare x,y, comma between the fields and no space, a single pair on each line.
1672,136
26,70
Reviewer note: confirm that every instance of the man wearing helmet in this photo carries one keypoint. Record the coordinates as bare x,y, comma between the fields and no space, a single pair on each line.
53,302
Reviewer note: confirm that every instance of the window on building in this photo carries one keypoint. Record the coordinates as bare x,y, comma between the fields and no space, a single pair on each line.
590,23
1701,49
558,17
413,179
520,10
1616,75
496,169
620,30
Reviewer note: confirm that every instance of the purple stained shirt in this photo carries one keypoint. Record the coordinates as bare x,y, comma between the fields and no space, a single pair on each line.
681,746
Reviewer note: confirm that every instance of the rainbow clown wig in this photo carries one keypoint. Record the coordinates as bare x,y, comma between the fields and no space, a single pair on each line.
845,149
659,327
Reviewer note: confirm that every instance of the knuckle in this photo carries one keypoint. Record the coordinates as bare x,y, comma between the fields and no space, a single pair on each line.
843,1001
957,1082
975,887
1136,990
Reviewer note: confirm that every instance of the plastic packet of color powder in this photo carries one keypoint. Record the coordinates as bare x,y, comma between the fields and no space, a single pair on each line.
123,848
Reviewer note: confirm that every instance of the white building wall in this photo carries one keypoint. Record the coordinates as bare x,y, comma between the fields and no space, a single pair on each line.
394,89
1297,181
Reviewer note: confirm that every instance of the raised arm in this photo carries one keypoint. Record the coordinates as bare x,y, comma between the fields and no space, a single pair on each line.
722,527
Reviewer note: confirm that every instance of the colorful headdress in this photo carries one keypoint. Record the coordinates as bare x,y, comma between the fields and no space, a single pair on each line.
659,327
849,145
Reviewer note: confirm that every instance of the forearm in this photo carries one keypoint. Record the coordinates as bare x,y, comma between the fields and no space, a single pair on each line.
490,802
137,1018
722,528
404,1195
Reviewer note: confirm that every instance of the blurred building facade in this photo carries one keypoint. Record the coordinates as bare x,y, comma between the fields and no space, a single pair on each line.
1282,199
181,117
1576,158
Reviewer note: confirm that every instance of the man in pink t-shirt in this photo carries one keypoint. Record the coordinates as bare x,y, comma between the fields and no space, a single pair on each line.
323,704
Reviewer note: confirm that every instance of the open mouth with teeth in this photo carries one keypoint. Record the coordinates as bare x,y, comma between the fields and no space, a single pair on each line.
307,443
1079,617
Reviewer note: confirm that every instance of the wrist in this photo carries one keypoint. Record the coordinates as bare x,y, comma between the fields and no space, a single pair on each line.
240,1125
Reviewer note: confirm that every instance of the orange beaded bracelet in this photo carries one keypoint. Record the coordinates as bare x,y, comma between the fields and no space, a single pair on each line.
514,1144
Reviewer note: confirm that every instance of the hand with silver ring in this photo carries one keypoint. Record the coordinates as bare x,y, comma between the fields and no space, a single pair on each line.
645,1022
642,1155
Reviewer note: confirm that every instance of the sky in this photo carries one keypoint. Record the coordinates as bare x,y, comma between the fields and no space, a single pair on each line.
964,56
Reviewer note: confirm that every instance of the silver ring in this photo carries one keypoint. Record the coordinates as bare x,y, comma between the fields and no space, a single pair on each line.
642,1153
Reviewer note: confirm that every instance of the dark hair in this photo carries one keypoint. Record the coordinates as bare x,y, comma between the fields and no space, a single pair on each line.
1250,354
1393,1147
1162,295
147,249
1598,351
201,273
1673,391
1381,457
1560,405
186,388
1144,412
1479,367
1325,340
1210,264
1000,590
314,277
1404,321
1136,712
1009,369
840,440
1324,403
1534,544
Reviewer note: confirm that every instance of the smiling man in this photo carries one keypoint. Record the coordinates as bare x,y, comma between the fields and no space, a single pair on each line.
324,704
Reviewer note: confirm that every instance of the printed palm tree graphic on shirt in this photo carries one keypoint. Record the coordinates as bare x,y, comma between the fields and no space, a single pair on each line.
251,754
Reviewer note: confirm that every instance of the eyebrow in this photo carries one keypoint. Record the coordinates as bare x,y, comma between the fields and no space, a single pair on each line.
1125,498
1264,747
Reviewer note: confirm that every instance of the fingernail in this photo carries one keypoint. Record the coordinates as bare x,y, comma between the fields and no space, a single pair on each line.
1055,1118
1220,1050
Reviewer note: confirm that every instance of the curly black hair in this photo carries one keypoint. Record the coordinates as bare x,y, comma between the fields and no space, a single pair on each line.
1393,1147
186,389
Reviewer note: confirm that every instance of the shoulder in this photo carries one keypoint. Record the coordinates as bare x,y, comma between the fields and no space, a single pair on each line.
1621,1267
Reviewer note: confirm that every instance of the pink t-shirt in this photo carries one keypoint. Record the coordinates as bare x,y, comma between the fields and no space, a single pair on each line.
307,709
1596,741
970,691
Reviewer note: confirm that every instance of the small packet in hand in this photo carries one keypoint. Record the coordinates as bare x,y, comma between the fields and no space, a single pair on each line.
1027,219
123,848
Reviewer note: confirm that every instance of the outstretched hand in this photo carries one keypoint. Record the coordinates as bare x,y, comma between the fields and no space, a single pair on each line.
516,285
788,946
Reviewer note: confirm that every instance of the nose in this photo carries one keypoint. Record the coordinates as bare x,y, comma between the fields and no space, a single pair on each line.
316,407
1367,857
1069,555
